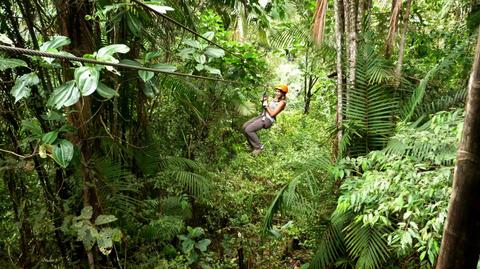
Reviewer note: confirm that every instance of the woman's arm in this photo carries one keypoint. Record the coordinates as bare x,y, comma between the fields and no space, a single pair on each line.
278,109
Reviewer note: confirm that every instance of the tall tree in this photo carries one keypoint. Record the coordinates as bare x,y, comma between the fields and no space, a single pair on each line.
339,34
401,50
460,246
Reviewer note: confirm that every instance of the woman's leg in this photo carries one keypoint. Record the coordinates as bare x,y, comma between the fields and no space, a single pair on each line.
250,131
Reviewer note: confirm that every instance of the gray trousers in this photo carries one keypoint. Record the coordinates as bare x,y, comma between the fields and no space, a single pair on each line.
251,127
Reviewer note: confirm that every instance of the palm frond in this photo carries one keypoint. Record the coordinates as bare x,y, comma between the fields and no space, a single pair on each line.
195,184
370,106
331,247
408,109
163,229
443,103
366,242
291,34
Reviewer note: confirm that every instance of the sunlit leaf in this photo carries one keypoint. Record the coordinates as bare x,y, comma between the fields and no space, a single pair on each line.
63,153
214,52
111,49
55,43
50,137
11,63
104,219
65,95
209,35
22,86
165,67
86,79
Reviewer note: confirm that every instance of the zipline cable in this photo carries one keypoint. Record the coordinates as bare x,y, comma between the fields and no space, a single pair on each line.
187,29
16,50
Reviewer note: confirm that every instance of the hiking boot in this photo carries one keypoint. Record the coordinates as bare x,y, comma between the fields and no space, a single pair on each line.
256,152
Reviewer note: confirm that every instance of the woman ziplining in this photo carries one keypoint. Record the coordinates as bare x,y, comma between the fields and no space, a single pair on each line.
266,119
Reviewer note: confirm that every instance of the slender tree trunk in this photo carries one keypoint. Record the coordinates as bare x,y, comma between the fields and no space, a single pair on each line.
396,7
339,30
460,246
351,42
401,51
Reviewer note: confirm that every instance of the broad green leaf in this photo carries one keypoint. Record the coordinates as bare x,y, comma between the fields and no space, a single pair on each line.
209,35
88,235
63,153
86,79
148,89
50,137
130,62
200,58
65,95
11,63
22,85
196,232
192,43
111,49
4,39
212,70
165,67
104,219
145,75
159,9
185,53
105,91
134,24
214,52
106,237
199,67
203,244
86,213
55,43
151,55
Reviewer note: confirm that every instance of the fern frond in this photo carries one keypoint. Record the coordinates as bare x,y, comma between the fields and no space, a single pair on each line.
195,184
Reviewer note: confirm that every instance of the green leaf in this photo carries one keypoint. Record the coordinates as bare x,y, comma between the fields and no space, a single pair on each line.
134,24
200,58
50,137
209,35
55,43
105,91
65,95
212,70
88,235
145,75
104,219
196,232
106,237
22,85
199,67
165,67
159,9
11,63
86,79
192,43
203,244
185,53
214,52
63,153
86,213
111,49
4,39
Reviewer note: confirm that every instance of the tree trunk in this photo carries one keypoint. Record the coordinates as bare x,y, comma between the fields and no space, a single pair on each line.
339,30
396,6
460,246
72,23
401,51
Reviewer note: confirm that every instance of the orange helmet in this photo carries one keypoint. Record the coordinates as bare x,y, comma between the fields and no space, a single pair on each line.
282,87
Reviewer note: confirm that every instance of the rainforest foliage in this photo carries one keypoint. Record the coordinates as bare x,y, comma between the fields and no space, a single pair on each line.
140,161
